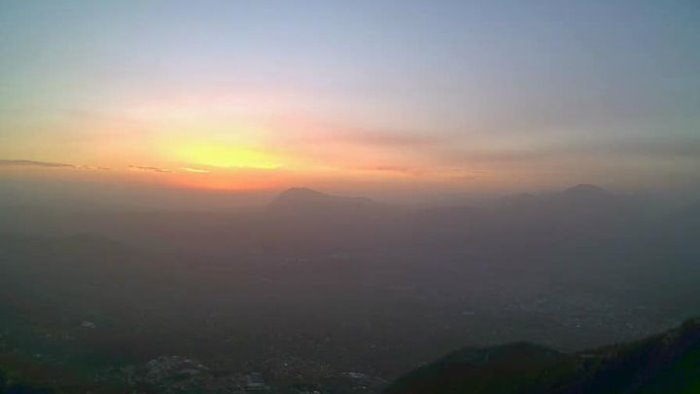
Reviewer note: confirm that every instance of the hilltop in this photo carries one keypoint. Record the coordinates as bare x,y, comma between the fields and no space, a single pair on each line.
665,363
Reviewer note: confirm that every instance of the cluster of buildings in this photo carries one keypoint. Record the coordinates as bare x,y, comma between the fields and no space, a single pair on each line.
178,374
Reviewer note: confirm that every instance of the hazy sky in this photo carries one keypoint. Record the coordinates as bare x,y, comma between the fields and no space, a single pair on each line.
450,95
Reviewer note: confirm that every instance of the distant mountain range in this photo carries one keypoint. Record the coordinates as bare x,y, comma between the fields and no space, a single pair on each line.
300,201
316,219
668,363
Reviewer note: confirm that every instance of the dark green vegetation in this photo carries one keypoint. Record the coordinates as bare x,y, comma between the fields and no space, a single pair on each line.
668,363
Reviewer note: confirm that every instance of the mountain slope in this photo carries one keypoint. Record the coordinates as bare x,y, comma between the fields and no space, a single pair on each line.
665,363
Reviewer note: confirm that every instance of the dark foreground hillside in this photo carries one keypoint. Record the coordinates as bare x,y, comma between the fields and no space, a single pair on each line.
8,386
665,363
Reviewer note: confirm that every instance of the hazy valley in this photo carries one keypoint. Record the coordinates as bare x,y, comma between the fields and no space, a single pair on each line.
314,291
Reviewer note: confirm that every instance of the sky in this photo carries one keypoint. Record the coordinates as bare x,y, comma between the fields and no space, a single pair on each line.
359,97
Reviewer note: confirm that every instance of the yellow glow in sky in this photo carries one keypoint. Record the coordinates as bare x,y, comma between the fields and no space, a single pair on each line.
226,156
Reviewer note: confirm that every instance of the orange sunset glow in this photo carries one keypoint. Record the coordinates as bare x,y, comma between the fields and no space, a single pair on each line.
202,103
349,196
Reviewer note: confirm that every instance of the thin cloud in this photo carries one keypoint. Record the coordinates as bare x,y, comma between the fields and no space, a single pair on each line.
456,156
385,139
675,148
304,130
90,168
688,149
394,169
47,164
195,170
148,168
34,163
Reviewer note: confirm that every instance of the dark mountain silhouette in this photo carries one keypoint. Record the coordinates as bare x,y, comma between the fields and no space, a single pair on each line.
665,363
302,201
572,218
585,189
582,213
